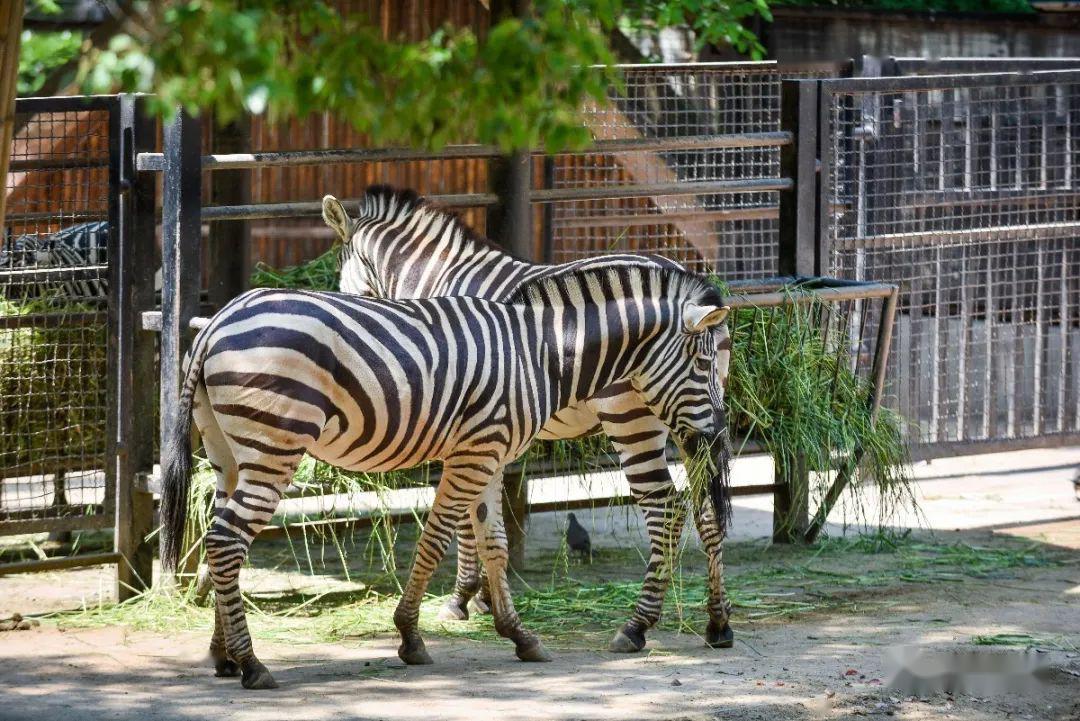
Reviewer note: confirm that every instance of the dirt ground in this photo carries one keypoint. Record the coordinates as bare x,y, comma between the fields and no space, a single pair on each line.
829,660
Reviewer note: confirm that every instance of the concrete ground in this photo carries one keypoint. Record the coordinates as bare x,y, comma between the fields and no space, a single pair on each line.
818,665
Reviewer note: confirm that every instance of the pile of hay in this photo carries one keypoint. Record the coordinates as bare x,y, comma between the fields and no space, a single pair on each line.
53,384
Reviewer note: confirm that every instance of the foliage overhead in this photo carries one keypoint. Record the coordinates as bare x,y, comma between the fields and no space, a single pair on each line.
939,6
41,52
521,84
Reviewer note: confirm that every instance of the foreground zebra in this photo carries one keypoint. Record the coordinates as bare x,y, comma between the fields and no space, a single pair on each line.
376,385
399,247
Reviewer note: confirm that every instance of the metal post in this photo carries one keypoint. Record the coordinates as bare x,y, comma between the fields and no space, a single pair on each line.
510,224
877,393
799,232
131,285
228,246
181,238
798,222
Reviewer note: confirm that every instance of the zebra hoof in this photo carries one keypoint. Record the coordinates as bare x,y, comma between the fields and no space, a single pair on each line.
414,654
226,669
627,642
255,676
479,606
533,653
454,610
719,637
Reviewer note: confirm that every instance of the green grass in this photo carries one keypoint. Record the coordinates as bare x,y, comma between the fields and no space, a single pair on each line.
580,606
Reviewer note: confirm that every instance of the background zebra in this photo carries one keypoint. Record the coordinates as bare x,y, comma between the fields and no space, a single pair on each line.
399,247
79,246
376,385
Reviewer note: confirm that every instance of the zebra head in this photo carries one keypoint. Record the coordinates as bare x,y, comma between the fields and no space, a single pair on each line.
685,382
358,273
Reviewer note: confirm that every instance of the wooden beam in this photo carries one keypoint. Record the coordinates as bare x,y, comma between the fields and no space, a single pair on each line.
11,14
610,123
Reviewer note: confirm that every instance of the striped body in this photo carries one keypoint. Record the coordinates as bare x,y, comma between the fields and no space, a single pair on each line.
79,246
371,384
399,247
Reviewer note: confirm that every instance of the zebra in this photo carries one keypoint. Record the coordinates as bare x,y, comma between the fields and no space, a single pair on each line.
401,247
376,385
78,246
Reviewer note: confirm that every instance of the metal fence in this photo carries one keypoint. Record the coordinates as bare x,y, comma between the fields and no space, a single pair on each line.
54,263
960,188
68,446
963,189
714,199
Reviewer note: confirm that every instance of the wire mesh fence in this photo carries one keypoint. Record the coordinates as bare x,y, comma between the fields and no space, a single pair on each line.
963,190
731,233
53,318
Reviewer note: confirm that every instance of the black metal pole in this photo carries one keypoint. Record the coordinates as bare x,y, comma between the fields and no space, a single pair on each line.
132,287
181,238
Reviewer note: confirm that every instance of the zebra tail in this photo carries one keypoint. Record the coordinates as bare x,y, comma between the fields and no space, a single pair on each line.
720,485
176,475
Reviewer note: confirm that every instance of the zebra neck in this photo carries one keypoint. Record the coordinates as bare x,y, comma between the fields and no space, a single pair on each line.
584,352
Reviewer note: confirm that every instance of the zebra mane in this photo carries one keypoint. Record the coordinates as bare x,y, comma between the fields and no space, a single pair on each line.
386,203
673,281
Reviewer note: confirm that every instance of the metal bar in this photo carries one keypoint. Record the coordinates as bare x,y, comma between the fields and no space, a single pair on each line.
713,187
63,104
314,208
1039,231
926,451
843,86
56,564
132,285
51,215
877,392
585,222
115,488
45,275
287,158
181,239
41,164
52,320
81,522
799,116
291,530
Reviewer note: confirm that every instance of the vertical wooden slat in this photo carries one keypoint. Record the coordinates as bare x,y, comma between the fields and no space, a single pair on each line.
11,13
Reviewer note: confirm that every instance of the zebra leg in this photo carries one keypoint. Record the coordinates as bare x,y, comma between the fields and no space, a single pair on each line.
235,526
225,468
486,516
471,587
481,602
641,439
468,575
435,538
718,633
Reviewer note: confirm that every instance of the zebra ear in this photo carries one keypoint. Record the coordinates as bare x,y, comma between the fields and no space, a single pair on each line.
335,216
699,317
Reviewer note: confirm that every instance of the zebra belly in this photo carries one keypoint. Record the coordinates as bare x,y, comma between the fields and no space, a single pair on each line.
576,421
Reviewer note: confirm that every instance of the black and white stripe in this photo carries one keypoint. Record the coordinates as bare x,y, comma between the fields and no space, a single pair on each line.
400,247
375,385
78,247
